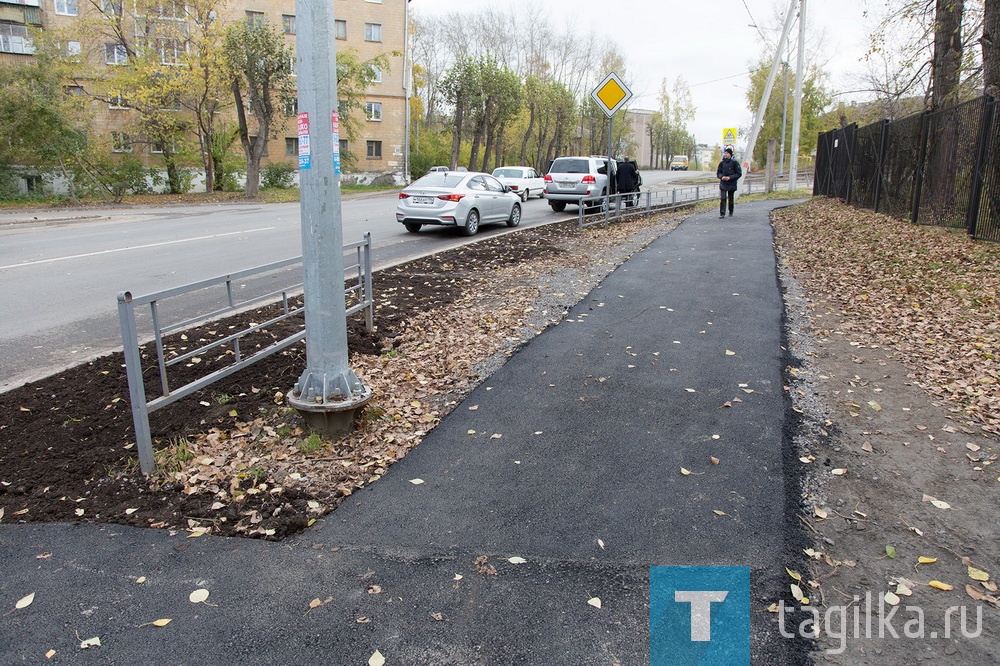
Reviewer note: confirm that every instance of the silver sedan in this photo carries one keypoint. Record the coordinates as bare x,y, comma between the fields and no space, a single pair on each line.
457,199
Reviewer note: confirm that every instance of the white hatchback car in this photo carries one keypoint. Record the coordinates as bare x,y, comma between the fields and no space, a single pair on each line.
524,181
457,199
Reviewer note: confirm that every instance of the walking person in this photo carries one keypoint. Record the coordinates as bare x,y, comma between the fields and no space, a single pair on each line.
728,173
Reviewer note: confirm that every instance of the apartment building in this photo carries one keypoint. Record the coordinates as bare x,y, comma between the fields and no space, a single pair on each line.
368,27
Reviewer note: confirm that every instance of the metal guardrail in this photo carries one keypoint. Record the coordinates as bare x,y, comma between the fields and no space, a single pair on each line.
359,293
620,206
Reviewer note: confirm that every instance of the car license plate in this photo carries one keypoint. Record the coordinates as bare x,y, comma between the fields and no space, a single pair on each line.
423,200
564,183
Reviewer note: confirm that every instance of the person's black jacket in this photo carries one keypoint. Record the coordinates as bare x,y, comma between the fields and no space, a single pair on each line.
628,177
728,167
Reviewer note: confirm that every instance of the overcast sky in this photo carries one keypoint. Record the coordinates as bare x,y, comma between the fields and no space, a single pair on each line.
709,42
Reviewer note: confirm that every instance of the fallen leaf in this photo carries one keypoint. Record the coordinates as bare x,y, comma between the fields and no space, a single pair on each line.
376,659
820,513
978,574
938,585
516,560
43,556
315,603
875,406
974,592
685,472
473,408
140,580
794,574
840,471
160,623
79,512
796,592
891,599
24,602
90,642
690,390
867,447
719,513
973,447
730,353
496,435
129,512
890,552
416,482
773,608
50,654
437,617
198,596
926,560
715,461
457,577
595,602
903,590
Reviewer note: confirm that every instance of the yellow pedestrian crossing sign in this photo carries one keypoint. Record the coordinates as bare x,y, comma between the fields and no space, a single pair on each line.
611,94
728,136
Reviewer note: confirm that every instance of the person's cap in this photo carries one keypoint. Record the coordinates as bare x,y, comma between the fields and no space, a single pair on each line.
729,150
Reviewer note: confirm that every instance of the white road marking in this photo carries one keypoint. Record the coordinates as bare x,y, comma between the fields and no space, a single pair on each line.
136,247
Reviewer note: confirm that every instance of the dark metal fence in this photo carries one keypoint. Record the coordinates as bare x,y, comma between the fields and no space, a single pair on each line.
940,168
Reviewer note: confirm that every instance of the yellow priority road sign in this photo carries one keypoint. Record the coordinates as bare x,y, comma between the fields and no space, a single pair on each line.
611,94
728,136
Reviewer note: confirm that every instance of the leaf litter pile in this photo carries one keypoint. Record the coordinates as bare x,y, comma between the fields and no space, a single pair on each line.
233,459
896,390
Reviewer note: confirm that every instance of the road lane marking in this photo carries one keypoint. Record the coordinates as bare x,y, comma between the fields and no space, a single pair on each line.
136,247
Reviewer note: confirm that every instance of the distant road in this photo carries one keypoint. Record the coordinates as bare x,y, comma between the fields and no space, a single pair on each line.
61,270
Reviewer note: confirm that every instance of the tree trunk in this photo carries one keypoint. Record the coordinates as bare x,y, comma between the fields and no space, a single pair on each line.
527,133
991,49
456,139
946,70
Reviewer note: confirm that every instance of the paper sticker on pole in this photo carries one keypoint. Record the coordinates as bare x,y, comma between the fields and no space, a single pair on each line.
611,94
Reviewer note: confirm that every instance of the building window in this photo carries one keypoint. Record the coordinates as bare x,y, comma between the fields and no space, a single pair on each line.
115,54
375,1
66,7
341,29
374,150
117,102
14,39
73,48
343,145
170,50
112,7
291,146
167,9
373,110
373,32
288,23
255,19
376,73
121,143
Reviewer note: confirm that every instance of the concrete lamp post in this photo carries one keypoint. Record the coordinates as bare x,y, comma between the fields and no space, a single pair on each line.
328,393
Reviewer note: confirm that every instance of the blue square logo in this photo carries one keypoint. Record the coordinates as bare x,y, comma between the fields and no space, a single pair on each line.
699,615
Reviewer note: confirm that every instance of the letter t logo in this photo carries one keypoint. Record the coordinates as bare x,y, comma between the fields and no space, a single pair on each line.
701,610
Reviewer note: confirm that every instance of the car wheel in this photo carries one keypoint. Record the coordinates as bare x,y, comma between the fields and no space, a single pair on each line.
558,206
471,223
412,227
515,216
524,195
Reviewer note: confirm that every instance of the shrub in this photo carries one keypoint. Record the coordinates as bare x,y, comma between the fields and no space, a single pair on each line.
278,175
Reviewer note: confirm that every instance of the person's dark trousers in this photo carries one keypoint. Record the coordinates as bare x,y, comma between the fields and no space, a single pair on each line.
722,201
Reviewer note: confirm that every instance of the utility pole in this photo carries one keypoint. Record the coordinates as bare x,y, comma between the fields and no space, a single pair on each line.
800,72
762,107
784,123
328,393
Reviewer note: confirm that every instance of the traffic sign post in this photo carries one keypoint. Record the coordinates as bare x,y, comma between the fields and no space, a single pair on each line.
611,94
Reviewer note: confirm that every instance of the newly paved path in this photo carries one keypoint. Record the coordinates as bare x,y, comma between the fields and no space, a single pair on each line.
574,466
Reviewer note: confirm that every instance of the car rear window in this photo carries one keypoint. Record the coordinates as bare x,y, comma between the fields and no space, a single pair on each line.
570,165
507,173
439,179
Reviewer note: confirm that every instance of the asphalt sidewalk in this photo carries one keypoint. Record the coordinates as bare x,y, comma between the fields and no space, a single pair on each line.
568,457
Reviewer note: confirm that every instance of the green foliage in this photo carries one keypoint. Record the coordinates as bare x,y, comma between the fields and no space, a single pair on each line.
311,444
815,99
278,175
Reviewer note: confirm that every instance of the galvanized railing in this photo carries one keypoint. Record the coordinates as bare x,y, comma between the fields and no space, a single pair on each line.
358,291
619,206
